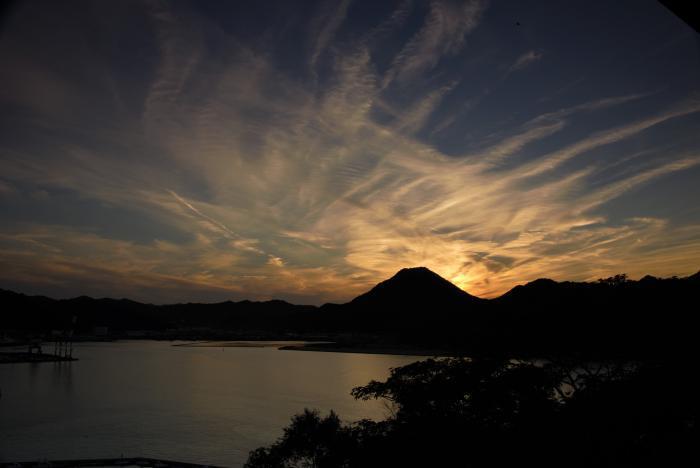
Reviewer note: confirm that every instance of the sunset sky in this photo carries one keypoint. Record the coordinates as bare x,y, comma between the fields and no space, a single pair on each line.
203,151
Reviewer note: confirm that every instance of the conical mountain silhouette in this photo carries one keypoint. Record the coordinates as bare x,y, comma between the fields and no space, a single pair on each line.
413,287
415,303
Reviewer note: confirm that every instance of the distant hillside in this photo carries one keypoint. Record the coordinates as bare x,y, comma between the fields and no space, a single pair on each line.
419,308
653,315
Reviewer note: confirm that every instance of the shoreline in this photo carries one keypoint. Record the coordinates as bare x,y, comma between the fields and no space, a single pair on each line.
323,346
248,343
397,351
320,346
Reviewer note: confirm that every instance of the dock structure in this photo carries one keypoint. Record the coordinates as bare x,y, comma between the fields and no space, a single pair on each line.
63,341
63,347
140,462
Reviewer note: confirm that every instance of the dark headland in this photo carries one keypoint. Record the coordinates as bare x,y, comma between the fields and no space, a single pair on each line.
414,312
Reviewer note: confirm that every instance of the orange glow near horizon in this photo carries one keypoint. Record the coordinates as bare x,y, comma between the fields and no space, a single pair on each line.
311,161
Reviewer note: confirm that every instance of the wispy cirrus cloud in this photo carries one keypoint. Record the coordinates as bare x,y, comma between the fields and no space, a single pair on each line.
443,33
526,59
328,24
282,187
607,137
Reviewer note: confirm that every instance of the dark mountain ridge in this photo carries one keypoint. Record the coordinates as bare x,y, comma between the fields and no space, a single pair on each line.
413,304
415,307
415,286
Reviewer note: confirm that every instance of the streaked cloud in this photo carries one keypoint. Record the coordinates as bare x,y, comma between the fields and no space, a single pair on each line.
328,24
607,137
235,176
443,33
525,60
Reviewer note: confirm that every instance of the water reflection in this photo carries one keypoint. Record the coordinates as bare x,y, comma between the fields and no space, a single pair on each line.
196,404
62,376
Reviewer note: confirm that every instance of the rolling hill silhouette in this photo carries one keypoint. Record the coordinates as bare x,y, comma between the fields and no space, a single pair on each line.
415,307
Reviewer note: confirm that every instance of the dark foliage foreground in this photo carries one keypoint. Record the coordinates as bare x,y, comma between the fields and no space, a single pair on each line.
460,412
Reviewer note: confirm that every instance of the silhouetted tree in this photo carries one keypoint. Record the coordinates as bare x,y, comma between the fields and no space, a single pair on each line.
491,412
614,280
309,441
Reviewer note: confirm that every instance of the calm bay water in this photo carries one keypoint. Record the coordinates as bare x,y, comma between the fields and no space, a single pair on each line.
194,404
